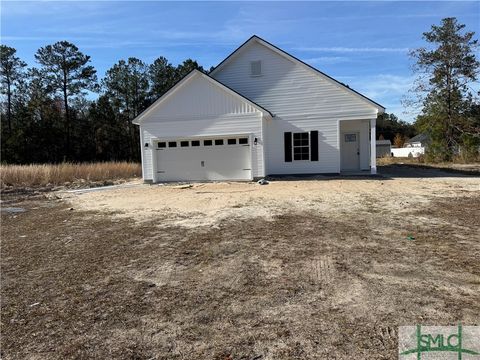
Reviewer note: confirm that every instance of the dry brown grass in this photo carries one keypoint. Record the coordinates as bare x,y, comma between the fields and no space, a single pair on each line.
472,167
303,285
389,160
60,174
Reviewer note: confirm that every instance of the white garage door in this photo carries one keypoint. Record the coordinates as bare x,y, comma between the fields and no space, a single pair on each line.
226,158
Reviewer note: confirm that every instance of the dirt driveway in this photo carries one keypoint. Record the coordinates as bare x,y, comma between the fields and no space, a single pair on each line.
297,269
208,204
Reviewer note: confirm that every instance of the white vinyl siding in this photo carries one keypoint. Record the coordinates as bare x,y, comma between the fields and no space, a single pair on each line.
328,154
197,99
200,109
301,101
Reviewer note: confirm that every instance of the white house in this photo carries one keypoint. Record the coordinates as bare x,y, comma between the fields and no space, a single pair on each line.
260,112
414,147
420,140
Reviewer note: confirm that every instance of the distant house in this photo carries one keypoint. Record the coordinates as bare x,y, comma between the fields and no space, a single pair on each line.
384,148
420,140
260,112
413,147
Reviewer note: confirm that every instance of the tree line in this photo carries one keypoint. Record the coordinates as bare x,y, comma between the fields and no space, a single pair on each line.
47,117
390,127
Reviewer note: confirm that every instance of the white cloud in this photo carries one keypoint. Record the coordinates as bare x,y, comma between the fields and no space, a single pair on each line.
27,38
353,49
72,9
387,84
388,90
327,60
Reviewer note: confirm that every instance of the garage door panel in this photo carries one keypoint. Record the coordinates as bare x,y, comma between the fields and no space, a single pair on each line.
216,162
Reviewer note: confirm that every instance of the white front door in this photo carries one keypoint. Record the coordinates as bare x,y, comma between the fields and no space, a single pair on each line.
226,158
350,151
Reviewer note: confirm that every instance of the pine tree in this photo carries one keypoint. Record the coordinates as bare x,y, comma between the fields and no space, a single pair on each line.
11,73
127,86
445,70
67,72
162,77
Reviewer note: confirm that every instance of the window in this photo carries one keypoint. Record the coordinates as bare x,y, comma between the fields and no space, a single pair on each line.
207,142
243,141
256,68
301,146
350,137
172,144
195,142
161,145
183,143
231,141
219,142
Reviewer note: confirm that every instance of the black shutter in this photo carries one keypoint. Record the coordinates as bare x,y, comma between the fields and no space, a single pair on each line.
287,140
314,145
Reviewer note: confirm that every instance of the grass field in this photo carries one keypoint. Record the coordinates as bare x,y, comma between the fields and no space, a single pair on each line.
22,176
456,166
306,269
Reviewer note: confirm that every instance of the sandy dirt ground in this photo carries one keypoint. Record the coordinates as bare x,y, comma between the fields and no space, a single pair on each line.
297,269
207,204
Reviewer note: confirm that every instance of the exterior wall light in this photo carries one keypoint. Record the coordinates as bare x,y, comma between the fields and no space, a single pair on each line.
255,141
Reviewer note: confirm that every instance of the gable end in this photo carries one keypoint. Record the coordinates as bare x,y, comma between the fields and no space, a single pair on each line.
286,55
184,82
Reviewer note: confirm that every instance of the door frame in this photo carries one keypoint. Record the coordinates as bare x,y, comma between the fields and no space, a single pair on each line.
342,137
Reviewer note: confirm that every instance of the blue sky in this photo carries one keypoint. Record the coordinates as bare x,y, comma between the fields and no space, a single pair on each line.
363,44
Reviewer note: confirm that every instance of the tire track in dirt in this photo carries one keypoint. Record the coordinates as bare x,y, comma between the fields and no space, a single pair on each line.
322,270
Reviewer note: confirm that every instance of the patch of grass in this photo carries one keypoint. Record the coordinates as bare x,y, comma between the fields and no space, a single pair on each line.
389,160
454,166
59,174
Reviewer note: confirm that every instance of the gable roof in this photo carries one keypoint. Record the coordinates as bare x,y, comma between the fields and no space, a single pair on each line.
421,138
298,61
383,142
184,81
